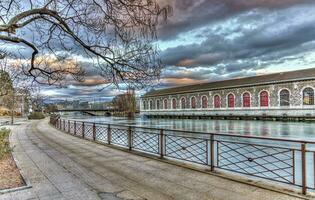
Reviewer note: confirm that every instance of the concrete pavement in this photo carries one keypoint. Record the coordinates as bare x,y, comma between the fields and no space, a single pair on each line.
60,166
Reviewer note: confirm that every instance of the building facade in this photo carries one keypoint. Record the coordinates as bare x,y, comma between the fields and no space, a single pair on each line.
287,94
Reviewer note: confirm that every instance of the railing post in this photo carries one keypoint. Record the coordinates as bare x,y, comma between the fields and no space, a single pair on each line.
75,128
109,134
212,152
94,132
83,127
129,138
162,145
303,168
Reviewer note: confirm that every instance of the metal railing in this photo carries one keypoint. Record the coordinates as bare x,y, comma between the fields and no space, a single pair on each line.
282,160
4,123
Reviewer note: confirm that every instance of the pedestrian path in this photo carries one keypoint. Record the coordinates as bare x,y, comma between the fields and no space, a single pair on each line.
60,166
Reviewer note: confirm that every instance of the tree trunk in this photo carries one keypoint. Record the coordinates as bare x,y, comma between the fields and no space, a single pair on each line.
12,109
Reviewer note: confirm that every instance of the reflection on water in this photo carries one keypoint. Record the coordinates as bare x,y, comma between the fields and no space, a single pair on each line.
296,130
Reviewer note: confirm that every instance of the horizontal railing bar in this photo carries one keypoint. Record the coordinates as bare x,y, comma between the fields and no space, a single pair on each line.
257,144
208,133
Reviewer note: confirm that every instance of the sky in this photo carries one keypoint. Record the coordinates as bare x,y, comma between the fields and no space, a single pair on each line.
209,40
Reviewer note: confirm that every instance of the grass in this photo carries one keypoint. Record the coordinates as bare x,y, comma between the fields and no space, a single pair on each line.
5,149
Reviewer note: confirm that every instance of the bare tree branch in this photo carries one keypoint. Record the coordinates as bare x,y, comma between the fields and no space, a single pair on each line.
116,36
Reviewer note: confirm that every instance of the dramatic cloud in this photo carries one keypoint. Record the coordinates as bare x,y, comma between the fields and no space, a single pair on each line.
208,40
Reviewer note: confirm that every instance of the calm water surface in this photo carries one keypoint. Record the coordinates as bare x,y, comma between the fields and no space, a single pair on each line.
294,130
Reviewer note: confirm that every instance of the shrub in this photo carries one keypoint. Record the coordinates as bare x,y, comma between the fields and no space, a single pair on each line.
36,115
4,143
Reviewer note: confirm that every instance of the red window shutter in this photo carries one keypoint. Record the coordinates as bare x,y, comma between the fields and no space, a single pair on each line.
264,99
193,102
246,100
174,103
204,102
231,101
217,101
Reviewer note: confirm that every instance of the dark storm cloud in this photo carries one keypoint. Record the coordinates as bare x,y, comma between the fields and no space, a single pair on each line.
190,14
259,35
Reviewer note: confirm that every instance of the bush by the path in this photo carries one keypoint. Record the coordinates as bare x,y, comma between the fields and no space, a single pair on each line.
36,115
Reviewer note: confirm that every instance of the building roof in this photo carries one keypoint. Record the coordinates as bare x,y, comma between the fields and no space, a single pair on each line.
306,74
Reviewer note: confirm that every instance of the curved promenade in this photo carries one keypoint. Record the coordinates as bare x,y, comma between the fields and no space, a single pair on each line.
60,166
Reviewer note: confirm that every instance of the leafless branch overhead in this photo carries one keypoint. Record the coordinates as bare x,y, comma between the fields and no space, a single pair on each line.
116,36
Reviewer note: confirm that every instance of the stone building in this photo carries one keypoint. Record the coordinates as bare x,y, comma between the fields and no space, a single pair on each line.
286,94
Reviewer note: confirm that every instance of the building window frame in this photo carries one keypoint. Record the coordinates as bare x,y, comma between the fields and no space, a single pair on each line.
202,103
313,97
181,103
249,100
280,97
165,106
157,103
191,102
150,105
144,105
261,101
174,103
228,100
215,105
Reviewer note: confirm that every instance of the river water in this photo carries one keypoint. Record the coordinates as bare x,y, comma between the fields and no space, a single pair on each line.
292,130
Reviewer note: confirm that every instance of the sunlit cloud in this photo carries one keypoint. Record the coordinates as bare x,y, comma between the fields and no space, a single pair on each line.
208,40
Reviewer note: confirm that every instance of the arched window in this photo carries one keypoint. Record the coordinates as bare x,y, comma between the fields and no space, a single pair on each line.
151,105
284,97
183,103
157,104
264,99
145,105
231,101
193,102
165,103
308,96
174,103
246,99
204,102
217,101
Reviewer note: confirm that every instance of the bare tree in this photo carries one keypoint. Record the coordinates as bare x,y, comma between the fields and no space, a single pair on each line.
125,103
117,36
15,86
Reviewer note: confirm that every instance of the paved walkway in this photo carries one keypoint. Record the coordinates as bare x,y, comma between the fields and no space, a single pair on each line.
60,166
